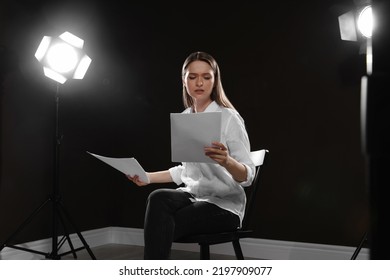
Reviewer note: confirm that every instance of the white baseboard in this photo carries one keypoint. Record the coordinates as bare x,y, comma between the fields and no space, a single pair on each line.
93,238
251,247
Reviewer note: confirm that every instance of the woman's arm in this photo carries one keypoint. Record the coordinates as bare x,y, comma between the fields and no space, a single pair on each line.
154,177
219,153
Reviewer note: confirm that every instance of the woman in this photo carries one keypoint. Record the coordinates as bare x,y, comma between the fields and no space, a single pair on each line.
210,197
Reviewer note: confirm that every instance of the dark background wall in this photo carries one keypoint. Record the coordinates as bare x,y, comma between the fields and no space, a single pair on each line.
284,66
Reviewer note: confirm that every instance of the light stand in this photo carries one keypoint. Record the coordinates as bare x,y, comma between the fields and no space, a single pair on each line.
358,26
59,214
375,127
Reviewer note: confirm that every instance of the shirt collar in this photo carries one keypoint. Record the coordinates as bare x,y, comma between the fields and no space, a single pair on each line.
212,107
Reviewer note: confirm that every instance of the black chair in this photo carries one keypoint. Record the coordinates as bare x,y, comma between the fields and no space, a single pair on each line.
205,240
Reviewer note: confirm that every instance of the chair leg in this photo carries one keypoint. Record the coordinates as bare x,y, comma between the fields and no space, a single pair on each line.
204,251
237,250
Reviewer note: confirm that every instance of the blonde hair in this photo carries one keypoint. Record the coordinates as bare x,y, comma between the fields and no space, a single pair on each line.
218,94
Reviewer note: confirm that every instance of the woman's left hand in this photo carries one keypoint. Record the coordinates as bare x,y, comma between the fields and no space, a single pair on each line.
218,152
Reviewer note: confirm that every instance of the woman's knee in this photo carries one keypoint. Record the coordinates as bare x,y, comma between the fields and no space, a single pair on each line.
158,195
167,198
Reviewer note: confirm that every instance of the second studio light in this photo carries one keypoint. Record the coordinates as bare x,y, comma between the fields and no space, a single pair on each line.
63,58
357,23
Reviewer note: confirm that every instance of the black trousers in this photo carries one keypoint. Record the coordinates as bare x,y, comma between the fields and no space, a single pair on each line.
170,214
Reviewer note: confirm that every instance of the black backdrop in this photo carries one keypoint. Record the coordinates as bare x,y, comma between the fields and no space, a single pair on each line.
284,66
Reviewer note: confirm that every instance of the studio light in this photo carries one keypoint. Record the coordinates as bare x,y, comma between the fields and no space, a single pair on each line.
63,58
357,24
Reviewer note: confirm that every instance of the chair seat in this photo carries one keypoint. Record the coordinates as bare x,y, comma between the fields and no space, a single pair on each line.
215,238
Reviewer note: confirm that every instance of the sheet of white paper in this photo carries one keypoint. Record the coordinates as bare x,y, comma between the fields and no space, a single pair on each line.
190,133
128,166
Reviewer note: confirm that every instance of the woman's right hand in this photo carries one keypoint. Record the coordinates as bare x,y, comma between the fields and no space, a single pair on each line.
135,179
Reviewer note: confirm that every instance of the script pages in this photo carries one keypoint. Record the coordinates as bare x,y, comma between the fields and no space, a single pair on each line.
128,166
190,133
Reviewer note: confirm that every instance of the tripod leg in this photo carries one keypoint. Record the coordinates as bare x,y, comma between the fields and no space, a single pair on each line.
357,250
25,223
77,232
66,234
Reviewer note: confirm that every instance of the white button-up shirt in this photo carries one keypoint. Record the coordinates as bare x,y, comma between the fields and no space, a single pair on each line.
210,181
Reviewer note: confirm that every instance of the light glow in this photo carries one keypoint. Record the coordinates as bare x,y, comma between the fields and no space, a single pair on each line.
62,57
365,22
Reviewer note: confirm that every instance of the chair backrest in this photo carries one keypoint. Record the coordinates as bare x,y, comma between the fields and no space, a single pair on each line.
258,158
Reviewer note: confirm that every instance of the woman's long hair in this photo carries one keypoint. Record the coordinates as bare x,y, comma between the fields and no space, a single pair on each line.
218,94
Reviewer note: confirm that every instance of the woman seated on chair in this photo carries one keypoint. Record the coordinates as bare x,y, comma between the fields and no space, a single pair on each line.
210,197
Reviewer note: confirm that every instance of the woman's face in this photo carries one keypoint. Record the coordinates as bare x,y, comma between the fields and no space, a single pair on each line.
199,81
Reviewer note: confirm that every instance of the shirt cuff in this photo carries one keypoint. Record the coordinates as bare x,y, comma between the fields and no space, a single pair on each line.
176,174
249,176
